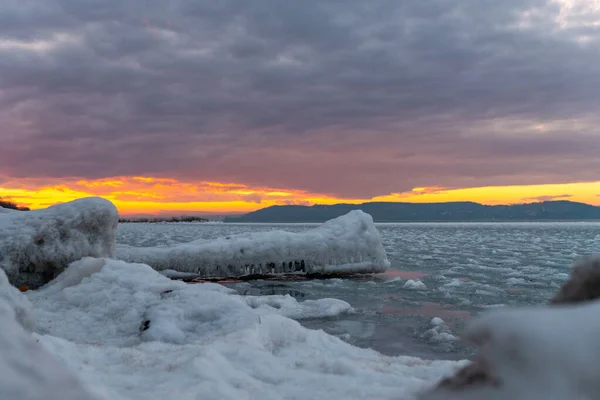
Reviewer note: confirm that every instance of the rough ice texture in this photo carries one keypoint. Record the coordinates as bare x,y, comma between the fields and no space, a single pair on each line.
37,245
348,244
27,371
131,333
545,352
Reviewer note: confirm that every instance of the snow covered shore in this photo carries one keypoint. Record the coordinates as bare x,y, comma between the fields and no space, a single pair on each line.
126,332
347,244
35,246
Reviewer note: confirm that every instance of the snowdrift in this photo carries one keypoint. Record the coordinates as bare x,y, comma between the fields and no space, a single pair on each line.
348,244
36,245
27,370
130,333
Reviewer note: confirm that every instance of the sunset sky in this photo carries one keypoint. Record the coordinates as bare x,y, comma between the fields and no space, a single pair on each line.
227,106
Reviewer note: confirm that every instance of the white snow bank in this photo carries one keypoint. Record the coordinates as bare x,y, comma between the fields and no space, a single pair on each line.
205,341
27,371
347,244
535,353
414,285
36,245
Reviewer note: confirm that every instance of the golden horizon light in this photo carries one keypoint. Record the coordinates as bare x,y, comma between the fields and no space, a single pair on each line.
143,195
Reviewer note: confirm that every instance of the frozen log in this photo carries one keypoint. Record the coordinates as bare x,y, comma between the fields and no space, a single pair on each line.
35,246
345,245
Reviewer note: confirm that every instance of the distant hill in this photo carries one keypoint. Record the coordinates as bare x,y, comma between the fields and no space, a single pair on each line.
428,212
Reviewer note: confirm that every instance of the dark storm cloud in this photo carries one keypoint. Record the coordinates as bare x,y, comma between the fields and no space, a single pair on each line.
347,97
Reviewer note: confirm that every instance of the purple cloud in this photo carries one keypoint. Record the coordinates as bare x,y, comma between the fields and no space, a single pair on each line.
346,98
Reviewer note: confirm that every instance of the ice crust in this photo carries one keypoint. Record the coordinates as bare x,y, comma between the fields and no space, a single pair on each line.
35,246
347,244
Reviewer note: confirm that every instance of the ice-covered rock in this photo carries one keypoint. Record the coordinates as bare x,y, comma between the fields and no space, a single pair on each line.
544,352
583,283
27,371
37,245
347,244
531,353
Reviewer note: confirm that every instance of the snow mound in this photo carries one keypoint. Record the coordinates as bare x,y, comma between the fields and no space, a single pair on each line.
135,334
414,285
111,302
347,244
27,371
36,245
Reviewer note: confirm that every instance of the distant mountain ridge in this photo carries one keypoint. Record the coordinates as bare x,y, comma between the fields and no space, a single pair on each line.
428,212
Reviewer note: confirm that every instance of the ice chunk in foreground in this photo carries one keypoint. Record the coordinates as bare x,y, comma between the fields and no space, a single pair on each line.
137,334
347,244
36,245
27,371
532,353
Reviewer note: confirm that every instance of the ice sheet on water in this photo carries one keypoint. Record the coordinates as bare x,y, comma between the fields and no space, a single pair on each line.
348,244
204,340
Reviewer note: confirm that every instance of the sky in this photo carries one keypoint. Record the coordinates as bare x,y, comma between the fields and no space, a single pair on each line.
226,106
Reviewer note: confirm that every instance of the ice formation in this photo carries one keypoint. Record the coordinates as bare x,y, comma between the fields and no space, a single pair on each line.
36,245
27,371
348,244
130,333
544,352
414,285
533,353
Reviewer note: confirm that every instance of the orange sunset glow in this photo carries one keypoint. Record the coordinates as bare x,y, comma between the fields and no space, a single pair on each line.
155,196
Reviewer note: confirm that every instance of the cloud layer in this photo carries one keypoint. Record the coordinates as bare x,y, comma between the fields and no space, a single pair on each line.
347,98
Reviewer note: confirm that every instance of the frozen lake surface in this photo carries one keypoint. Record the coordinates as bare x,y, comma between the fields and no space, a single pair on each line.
457,270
